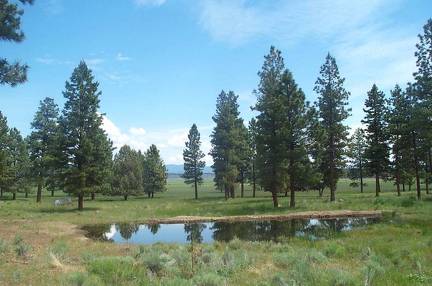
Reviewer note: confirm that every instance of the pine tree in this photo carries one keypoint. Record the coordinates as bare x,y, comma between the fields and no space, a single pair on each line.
357,148
295,130
244,154
377,151
4,153
42,143
154,172
18,164
82,135
10,30
226,143
398,134
193,163
252,134
421,94
332,102
271,150
128,172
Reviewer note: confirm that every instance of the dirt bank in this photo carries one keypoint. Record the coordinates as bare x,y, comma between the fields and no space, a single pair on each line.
280,217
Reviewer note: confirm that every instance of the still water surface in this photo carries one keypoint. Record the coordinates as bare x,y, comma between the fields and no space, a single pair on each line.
270,230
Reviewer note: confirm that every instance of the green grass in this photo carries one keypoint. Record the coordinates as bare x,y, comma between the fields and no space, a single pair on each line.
397,251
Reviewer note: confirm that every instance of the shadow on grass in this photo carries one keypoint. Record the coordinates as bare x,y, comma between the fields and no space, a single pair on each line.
63,210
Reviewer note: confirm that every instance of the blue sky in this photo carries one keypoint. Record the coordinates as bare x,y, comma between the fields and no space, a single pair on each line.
162,63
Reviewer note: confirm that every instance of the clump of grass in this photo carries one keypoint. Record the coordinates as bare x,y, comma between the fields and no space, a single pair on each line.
208,279
408,202
76,279
372,267
333,249
59,249
341,278
3,246
153,260
21,248
115,270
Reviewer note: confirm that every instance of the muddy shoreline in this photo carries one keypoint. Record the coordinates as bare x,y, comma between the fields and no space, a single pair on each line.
279,217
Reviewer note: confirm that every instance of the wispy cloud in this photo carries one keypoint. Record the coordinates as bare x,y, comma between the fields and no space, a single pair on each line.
53,7
170,142
120,57
149,2
48,60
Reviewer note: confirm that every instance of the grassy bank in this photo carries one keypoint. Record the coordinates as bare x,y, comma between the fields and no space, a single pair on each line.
40,244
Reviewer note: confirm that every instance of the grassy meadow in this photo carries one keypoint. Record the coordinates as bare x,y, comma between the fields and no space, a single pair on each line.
43,245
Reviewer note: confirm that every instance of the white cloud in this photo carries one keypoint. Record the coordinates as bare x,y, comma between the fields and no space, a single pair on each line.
149,2
170,142
93,63
120,57
48,60
239,21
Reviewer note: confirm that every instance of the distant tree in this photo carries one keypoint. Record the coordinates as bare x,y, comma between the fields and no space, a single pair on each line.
398,134
43,143
193,163
154,172
10,30
332,102
252,134
82,135
244,153
19,164
226,143
377,151
128,172
357,148
4,153
316,151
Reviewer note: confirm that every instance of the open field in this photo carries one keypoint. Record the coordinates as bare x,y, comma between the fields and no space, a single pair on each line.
53,251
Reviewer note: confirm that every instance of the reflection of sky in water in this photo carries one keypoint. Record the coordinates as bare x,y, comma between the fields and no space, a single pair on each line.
167,233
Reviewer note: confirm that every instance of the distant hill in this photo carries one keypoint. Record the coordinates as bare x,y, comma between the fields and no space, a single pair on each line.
178,169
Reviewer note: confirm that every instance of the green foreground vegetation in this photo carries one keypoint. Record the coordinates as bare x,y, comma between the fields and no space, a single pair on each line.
42,244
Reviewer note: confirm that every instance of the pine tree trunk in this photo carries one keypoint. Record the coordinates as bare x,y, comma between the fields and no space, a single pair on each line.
80,201
26,194
242,185
232,192
196,189
92,196
292,197
13,196
321,191
125,197
52,193
1,192
416,167
377,185
148,195
427,186
253,180
361,177
286,193
152,195
332,192
403,187
39,192
275,200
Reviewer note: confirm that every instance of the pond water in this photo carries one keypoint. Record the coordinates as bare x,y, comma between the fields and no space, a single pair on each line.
270,230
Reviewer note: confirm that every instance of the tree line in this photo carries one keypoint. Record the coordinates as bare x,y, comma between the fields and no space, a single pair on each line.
294,145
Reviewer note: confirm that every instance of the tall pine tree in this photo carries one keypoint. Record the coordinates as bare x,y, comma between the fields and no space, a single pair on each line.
82,134
332,102
4,153
192,157
377,151
43,143
226,140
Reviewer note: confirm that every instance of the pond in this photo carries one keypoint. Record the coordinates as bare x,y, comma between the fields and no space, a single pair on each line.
270,230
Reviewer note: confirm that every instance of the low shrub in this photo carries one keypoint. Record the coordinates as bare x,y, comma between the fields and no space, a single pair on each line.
208,279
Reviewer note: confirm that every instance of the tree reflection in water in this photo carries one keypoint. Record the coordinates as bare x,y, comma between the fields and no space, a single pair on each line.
225,231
